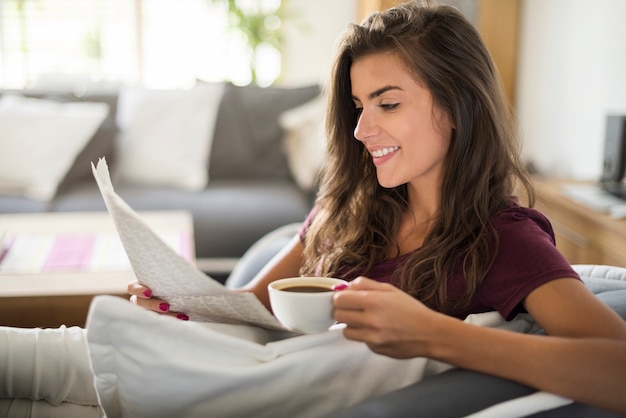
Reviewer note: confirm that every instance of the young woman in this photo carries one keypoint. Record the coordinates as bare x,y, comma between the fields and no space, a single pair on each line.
418,209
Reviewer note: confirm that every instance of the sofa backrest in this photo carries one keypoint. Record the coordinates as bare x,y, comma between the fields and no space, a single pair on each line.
247,140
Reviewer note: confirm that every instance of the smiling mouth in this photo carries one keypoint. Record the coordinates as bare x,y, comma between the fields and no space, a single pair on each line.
382,152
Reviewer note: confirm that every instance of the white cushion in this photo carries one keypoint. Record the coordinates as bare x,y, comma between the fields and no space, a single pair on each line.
148,365
39,141
304,141
167,135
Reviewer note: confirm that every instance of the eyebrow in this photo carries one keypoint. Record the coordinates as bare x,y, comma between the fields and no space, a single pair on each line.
378,92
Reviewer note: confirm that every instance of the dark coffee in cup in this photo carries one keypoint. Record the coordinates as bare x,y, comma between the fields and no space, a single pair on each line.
306,289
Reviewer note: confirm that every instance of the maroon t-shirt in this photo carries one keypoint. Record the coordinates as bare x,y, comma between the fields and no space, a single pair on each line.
526,258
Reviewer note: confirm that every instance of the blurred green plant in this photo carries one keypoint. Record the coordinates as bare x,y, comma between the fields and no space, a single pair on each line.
258,22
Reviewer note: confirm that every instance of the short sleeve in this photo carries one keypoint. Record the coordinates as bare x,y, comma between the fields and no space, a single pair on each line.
526,258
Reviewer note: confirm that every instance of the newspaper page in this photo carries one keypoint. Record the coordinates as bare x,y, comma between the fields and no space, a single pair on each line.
170,276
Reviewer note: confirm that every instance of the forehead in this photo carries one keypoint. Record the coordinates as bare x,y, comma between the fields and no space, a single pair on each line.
372,71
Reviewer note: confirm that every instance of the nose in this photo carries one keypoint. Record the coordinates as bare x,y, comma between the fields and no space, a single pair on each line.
365,126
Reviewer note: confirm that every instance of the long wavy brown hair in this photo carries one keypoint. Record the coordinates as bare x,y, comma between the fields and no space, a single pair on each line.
358,220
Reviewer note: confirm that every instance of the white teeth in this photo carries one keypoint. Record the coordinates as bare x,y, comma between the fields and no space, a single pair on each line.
382,152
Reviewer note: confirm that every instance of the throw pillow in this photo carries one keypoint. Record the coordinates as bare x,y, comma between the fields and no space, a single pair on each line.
305,141
248,134
101,145
39,141
166,135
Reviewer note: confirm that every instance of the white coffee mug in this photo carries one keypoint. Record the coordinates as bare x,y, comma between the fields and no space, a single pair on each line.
304,304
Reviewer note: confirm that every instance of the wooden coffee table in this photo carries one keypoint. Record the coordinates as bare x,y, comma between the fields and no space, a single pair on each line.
84,259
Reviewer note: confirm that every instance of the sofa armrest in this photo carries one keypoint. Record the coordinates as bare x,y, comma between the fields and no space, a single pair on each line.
459,393
453,393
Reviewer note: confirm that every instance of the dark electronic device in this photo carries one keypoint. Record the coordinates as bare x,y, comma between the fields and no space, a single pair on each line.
614,165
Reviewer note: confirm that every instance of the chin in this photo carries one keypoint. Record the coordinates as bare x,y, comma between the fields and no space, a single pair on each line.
387,184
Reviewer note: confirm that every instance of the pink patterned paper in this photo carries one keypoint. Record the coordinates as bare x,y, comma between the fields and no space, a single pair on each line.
70,252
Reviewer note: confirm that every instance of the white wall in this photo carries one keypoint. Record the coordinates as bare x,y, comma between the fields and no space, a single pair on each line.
310,38
572,72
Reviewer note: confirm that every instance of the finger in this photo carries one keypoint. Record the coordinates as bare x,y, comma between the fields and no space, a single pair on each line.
357,334
153,304
352,318
360,296
365,334
349,299
134,288
365,283
158,306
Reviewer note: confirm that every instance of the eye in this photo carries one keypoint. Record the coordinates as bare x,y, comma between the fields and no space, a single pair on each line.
390,106
358,111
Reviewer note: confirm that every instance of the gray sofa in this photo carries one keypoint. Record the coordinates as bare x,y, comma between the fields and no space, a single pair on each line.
251,190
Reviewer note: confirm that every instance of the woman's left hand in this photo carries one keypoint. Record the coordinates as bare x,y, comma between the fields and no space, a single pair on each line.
390,321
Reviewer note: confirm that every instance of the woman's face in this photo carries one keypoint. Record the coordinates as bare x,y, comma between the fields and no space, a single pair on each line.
405,133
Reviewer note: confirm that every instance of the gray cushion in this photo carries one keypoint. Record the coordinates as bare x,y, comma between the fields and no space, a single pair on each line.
19,204
616,300
247,140
259,254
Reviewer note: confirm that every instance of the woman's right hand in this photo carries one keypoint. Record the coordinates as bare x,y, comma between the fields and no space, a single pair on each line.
142,296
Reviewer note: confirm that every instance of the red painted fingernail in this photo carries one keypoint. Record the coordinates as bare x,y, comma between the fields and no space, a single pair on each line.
340,286
147,293
182,317
164,307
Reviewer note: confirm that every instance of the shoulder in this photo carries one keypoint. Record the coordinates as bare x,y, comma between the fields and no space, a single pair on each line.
523,235
516,214
517,222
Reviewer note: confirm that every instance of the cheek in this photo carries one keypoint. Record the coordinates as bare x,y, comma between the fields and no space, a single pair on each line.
427,148
438,136
423,137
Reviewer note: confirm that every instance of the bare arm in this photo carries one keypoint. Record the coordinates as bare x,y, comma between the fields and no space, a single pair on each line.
284,264
584,358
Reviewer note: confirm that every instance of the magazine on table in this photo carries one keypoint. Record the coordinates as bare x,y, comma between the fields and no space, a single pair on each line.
171,277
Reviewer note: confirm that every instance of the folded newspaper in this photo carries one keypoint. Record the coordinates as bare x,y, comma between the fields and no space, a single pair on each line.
170,276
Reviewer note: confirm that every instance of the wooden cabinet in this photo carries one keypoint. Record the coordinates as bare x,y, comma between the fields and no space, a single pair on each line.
365,7
583,235
498,24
